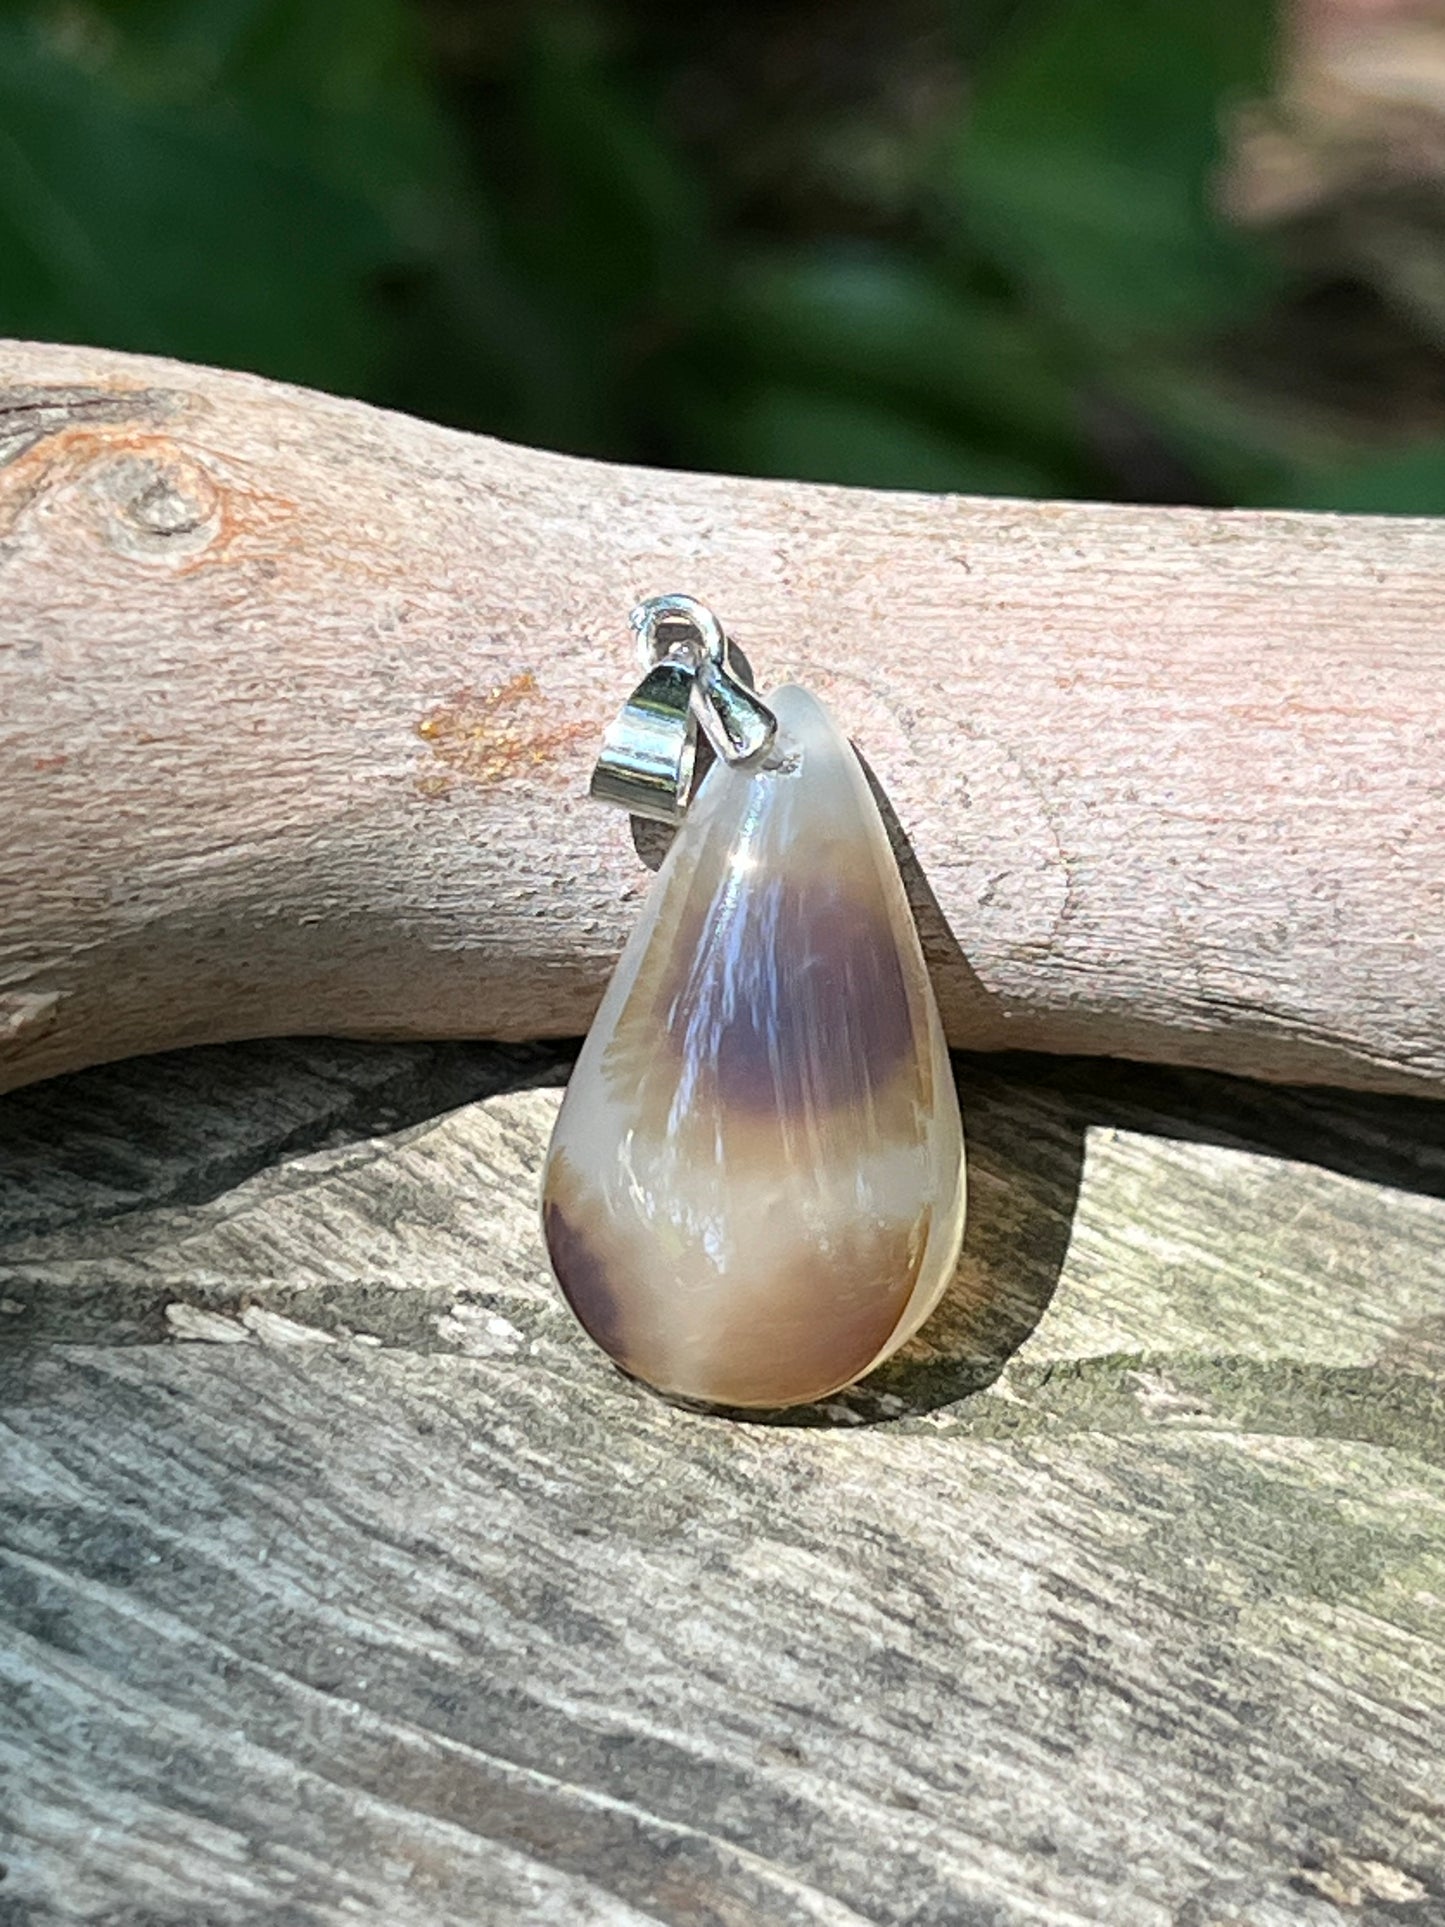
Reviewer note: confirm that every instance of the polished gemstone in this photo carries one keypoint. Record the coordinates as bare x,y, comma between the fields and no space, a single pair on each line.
754,1191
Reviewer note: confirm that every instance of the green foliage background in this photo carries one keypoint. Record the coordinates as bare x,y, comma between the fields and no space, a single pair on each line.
959,246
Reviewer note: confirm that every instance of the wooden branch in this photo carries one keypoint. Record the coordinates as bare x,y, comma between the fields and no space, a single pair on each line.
300,698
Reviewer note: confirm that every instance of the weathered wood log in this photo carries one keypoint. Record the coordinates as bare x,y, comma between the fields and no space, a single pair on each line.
342,1579
298,703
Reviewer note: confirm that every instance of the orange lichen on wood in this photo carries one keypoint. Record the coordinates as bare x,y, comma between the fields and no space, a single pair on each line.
485,737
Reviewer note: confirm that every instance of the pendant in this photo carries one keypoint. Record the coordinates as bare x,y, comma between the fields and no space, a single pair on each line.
754,1191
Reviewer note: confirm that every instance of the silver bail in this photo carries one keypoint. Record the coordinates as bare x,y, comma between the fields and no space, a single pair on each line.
648,756
738,724
649,753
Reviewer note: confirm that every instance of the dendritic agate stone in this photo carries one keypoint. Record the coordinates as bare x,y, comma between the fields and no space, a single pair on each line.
754,1191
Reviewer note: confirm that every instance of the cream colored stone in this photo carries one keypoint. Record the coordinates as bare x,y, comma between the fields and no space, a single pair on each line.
755,1187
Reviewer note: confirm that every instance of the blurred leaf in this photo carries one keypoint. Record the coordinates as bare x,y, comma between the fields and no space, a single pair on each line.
1245,449
884,326
1084,165
338,83
818,437
1411,482
173,227
611,215
604,229
262,183
974,25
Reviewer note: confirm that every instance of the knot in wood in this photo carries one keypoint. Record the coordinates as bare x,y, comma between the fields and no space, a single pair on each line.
162,504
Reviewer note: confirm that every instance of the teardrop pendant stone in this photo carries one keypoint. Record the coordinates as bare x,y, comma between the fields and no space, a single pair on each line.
754,1190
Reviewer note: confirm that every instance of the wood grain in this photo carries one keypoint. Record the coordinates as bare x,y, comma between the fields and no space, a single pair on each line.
343,1581
298,702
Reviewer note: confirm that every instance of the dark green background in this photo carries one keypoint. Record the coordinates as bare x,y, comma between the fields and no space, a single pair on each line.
941,246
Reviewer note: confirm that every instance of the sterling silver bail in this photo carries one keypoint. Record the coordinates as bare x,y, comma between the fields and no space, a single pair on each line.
693,675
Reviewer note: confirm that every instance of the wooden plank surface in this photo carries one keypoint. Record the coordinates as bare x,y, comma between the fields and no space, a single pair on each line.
343,1581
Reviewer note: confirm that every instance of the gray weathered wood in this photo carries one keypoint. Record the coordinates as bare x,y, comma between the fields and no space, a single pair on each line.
344,1582
298,702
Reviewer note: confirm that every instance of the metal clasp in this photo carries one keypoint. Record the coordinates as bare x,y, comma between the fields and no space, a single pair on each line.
693,676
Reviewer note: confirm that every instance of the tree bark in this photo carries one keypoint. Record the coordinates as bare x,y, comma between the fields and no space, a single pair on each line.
300,700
